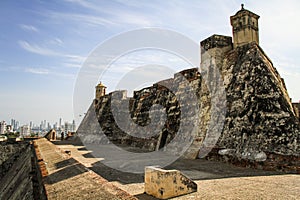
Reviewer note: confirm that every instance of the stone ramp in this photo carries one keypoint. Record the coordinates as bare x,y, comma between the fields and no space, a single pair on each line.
66,178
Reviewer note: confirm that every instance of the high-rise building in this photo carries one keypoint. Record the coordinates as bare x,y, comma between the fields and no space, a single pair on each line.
48,126
2,127
17,124
60,121
68,127
25,130
55,126
73,126
13,124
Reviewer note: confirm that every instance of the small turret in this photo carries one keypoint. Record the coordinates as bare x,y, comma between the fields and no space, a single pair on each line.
244,27
100,90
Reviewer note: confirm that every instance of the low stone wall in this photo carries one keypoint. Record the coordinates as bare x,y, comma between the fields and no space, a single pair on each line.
19,177
66,178
264,160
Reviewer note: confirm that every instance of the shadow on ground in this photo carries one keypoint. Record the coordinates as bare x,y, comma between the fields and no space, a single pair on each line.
111,174
199,169
66,169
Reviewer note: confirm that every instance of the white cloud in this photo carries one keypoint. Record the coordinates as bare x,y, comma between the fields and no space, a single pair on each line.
82,3
64,75
74,61
114,16
56,41
37,70
72,65
33,48
46,71
75,58
91,20
29,28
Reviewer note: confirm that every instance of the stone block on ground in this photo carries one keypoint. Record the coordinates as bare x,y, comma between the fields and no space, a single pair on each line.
164,184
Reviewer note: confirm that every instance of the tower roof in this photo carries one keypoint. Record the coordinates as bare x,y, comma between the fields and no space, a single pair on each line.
244,11
101,85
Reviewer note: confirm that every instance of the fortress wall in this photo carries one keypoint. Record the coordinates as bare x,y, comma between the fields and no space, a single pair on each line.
260,117
19,173
163,93
260,124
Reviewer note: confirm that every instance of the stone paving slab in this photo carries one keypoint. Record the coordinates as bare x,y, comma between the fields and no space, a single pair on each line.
215,180
69,179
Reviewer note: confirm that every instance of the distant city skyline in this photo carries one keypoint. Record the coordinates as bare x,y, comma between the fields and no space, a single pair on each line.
43,124
44,44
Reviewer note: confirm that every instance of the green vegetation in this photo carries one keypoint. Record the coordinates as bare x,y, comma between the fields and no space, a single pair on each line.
12,134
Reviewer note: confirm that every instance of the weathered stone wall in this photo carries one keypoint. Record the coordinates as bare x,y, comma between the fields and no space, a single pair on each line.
261,129
260,116
260,121
19,175
164,94
296,107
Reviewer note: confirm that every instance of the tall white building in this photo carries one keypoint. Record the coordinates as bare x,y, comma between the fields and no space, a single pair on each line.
25,130
2,127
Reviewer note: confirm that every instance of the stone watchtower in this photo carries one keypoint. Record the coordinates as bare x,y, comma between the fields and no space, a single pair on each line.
100,90
244,27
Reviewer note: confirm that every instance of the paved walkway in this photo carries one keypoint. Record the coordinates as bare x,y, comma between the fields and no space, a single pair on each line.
215,180
69,179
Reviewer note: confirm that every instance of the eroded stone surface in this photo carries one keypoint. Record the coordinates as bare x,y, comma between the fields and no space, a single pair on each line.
260,122
164,184
260,116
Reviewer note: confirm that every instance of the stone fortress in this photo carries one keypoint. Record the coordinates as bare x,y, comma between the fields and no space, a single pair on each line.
261,127
260,130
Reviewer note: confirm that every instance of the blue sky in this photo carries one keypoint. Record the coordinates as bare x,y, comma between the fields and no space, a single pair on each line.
44,43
